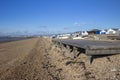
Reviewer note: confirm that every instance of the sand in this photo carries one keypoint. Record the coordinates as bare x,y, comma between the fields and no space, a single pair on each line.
40,59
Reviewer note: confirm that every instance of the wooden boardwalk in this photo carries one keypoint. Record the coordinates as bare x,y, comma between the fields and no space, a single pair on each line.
114,37
92,47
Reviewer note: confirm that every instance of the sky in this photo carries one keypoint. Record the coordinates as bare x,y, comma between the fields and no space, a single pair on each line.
58,16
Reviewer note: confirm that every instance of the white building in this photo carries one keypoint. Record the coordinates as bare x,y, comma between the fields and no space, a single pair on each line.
84,33
80,35
111,31
63,36
103,32
118,32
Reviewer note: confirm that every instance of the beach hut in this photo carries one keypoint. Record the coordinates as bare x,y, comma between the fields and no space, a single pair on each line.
112,31
94,31
103,32
118,32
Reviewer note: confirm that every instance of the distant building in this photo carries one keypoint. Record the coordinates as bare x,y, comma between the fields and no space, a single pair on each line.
112,31
118,32
84,33
63,36
76,34
103,32
94,31
80,33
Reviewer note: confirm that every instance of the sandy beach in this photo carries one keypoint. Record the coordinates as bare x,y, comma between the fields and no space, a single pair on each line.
39,59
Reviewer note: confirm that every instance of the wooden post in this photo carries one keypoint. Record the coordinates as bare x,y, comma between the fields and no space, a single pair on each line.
89,59
75,52
68,47
71,55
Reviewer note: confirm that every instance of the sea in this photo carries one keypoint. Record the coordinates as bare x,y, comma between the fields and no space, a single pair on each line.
8,39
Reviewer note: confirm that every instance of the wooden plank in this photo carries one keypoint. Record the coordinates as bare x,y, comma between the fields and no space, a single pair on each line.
102,52
94,47
114,37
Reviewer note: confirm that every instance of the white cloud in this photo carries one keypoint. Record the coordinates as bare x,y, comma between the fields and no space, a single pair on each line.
77,24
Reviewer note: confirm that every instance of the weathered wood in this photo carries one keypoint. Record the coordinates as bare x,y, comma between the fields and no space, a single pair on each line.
75,51
114,37
89,59
92,47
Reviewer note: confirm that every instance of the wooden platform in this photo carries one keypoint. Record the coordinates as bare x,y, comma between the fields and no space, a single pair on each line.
114,37
93,47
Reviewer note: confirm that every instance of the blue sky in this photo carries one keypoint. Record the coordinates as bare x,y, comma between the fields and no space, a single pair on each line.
54,16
